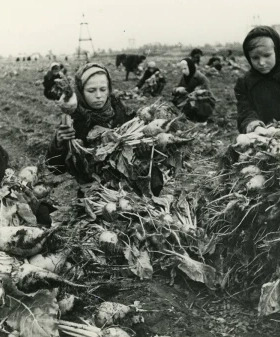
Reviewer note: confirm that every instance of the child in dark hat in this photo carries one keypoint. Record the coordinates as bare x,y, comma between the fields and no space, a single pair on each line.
258,91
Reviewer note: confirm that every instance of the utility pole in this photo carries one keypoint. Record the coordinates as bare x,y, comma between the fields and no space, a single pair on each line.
84,35
131,43
256,21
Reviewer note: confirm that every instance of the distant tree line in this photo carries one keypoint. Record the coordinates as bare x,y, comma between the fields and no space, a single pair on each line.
157,48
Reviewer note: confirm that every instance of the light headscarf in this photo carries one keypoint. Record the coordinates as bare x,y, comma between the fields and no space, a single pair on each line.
93,116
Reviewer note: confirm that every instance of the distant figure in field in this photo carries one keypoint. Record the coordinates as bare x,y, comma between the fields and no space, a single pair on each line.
4,158
17,59
63,69
66,58
152,82
120,59
29,58
51,92
196,55
215,62
229,56
132,62
193,95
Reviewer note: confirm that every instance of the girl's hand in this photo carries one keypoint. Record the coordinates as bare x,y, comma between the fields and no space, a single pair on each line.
260,130
64,133
181,90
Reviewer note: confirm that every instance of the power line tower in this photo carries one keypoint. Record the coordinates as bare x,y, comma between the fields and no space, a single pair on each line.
84,35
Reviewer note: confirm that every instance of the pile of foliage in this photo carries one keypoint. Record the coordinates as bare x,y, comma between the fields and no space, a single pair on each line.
35,258
224,232
239,204
156,128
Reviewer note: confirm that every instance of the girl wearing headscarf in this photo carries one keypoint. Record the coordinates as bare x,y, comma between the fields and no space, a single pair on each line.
152,82
96,105
50,90
193,95
215,62
258,91
195,55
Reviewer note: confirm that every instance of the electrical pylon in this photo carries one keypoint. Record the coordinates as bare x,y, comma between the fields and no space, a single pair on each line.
84,37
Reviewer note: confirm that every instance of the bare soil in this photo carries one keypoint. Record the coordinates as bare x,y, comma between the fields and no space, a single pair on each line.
27,124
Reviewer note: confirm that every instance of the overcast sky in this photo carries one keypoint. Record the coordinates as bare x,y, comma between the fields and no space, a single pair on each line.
28,26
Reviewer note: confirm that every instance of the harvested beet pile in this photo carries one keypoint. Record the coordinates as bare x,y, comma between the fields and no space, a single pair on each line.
240,207
223,232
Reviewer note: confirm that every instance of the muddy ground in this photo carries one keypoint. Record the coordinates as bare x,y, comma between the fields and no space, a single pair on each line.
27,124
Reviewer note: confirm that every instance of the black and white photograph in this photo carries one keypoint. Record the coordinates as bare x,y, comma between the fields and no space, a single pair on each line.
140,168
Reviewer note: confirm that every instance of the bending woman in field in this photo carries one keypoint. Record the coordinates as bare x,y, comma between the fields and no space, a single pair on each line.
50,90
258,91
152,82
193,95
96,106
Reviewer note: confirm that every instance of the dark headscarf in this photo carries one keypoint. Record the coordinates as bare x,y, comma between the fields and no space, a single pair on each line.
262,31
192,69
99,116
196,51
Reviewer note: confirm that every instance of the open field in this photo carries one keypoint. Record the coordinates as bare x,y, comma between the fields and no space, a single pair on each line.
27,124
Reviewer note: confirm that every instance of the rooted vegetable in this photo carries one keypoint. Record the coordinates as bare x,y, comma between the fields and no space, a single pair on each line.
29,175
23,241
243,141
125,205
110,313
51,262
256,183
68,105
250,170
40,191
108,237
145,114
114,332
245,156
66,304
79,330
155,127
110,211
164,139
26,275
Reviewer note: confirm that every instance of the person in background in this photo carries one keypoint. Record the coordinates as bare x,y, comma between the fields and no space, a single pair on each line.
258,90
96,106
132,63
50,90
152,80
4,159
63,69
215,62
193,95
229,57
195,55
